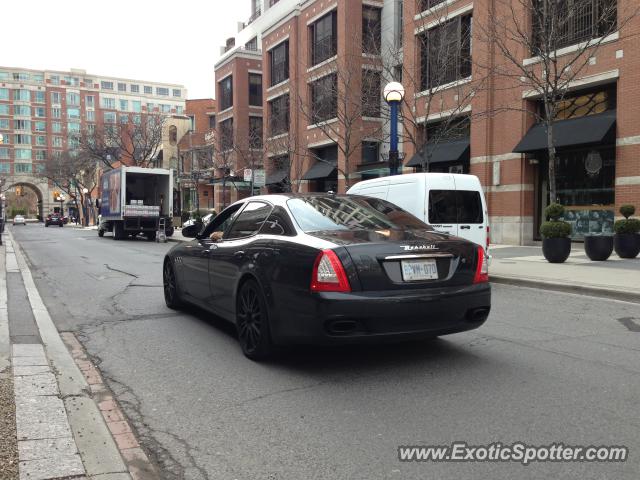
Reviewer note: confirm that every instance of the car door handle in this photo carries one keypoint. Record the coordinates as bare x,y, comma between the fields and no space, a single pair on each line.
465,226
238,254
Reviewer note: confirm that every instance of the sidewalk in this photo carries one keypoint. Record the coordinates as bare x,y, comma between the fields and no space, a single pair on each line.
67,423
526,266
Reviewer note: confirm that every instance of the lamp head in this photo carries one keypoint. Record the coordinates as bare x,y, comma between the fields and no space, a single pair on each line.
394,92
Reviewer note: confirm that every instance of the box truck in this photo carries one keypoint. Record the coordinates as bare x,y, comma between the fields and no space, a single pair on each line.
133,200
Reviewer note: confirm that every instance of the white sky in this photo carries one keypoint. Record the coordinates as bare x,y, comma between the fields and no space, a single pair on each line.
174,41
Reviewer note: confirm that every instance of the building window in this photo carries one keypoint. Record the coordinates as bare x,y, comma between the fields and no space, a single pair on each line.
179,110
124,119
22,139
41,154
226,93
73,127
279,62
151,107
427,4
41,126
4,124
22,125
148,89
226,134
56,127
91,116
134,88
371,93
324,38
90,101
255,132
279,115
4,166
73,98
22,154
22,110
4,109
212,122
136,106
446,52
41,140
399,24
162,91
56,113
22,168
324,98
55,79
40,112
122,87
56,142
255,89
91,128
124,105
137,119
20,95
252,44
583,103
371,30
370,152
165,108
4,94
39,97
106,85
55,98
73,113
106,102
4,75
177,92
73,81
109,117
4,153
571,22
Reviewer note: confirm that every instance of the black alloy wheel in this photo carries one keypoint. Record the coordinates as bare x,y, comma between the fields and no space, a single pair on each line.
171,296
252,322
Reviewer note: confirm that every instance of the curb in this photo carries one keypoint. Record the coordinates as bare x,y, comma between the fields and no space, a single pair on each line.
566,288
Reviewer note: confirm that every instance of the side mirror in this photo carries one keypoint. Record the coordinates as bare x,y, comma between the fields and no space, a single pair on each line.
191,231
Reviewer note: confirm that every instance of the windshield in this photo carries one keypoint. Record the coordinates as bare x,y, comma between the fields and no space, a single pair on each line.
319,213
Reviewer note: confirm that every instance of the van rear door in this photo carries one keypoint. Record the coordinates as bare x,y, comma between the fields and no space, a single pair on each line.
441,204
472,210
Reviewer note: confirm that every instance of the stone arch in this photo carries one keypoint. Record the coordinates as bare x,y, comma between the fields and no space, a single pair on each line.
39,185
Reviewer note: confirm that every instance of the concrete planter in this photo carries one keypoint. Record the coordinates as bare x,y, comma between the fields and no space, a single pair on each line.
556,250
598,247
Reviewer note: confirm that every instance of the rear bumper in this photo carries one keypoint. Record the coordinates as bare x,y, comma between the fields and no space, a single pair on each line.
338,318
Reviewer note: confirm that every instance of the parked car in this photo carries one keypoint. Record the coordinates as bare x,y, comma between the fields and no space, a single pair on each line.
451,203
19,220
324,268
54,219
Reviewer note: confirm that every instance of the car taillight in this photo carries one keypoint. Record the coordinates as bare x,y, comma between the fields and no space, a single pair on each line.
482,268
328,274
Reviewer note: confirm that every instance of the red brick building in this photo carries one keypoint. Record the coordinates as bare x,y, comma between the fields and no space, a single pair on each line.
322,62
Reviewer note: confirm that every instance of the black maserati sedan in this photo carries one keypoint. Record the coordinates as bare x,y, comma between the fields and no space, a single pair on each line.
326,268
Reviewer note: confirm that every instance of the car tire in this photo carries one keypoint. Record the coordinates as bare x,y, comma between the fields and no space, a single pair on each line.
170,285
101,233
151,236
252,322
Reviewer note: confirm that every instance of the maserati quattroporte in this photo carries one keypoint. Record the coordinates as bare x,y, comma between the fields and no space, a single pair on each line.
325,268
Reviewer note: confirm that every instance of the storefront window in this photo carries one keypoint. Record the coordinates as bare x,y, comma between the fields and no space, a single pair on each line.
585,181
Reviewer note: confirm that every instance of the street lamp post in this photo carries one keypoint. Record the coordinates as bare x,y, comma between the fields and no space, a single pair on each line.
61,199
393,95
85,192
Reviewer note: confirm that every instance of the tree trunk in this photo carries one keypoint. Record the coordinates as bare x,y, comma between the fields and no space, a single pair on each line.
551,149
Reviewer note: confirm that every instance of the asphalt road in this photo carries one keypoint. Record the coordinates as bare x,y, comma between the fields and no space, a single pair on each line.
545,368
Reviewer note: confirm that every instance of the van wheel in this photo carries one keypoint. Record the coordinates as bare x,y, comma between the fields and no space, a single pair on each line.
118,231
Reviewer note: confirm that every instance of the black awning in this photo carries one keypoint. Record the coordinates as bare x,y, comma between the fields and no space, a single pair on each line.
453,151
320,169
276,177
591,129
228,180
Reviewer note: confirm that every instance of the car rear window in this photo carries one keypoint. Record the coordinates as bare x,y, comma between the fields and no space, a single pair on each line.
319,213
455,206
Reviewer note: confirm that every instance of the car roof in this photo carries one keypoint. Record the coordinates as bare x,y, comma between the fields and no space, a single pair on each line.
281,198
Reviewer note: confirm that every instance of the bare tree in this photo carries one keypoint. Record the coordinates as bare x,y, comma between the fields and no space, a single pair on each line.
441,84
540,29
136,140
287,152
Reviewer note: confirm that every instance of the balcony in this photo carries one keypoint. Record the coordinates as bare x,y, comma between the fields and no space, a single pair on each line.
254,16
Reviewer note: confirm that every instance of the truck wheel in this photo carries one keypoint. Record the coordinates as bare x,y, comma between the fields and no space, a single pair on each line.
118,231
100,233
151,236
169,231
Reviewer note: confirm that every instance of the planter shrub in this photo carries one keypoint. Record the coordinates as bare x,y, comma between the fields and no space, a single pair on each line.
627,233
556,244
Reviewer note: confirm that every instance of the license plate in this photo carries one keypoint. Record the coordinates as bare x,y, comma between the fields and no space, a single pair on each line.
413,270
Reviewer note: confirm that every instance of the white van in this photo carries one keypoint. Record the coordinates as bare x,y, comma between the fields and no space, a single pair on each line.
449,202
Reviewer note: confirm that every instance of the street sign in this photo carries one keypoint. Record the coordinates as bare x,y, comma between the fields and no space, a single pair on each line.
259,178
247,174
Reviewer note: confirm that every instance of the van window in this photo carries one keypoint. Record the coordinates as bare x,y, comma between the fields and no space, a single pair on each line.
455,206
